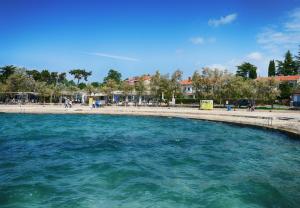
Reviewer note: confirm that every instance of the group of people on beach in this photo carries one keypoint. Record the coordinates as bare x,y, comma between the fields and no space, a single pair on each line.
68,103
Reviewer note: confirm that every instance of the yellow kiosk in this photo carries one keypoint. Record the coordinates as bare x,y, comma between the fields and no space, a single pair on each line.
91,100
206,104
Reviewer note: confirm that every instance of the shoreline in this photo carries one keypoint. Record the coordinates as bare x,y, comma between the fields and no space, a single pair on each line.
287,122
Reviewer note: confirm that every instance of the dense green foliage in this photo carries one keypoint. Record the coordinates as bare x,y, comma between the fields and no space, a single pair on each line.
163,88
298,61
247,70
113,75
80,74
286,90
271,69
288,66
6,71
220,86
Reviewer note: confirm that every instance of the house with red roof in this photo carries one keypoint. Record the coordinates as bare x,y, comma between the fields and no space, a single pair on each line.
187,88
132,96
291,79
145,78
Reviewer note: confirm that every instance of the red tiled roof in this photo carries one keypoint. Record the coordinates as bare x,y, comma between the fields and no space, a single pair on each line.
135,79
186,82
282,78
287,78
146,77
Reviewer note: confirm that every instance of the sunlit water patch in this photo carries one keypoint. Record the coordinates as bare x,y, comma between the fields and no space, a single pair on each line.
127,161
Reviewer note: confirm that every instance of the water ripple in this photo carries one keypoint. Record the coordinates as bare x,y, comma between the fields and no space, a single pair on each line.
123,161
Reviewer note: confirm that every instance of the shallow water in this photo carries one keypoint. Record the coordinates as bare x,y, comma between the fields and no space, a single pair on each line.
127,161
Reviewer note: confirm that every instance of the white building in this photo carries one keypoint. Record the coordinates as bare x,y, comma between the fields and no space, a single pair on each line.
187,88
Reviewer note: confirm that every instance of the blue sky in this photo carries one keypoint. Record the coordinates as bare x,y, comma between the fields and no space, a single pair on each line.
142,36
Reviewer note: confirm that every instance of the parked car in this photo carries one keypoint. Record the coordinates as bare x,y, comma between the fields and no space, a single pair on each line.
242,103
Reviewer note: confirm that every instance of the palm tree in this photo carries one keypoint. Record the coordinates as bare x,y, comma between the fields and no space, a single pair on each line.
80,74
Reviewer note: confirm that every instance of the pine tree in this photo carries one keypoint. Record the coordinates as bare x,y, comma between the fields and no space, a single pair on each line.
253,73
288,66
271,69
298,62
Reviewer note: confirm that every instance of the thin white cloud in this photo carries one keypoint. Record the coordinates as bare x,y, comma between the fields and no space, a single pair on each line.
125,58
286,36
197,40
224,20
255,56
201,40
294,21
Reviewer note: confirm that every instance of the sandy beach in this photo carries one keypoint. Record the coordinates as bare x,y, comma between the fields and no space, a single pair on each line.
287,121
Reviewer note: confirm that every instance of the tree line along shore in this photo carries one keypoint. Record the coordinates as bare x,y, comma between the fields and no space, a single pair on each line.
208,83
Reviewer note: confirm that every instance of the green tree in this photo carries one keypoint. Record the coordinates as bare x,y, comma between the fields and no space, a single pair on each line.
166,89
271,69
35,74
211,84
175,83
155,86
55,91
71,89
81,85
220,89
20,82
160,87
126,88
113,75
239,88
90,89
70,83
214,79
109,87
288,66
95,84
298,61
80,74
247,70
45,76
44,90
140,88
62,78
266,90
285,90
3,87
53,78
198,83
6,71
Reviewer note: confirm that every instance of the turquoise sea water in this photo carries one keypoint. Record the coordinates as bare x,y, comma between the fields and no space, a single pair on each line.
128,161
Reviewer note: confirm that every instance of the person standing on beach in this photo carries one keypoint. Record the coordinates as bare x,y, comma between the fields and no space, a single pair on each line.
70,103
66,102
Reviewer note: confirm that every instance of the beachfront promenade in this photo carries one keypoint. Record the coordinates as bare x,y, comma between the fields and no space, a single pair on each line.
279,119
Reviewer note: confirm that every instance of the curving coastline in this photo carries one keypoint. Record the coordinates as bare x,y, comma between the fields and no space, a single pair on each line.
283,121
